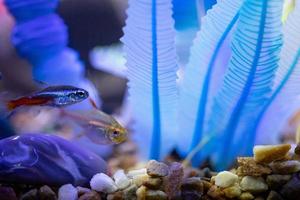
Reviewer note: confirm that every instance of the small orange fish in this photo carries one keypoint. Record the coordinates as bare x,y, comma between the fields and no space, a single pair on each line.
56,96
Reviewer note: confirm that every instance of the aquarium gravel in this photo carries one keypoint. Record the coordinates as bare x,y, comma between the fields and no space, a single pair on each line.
275,178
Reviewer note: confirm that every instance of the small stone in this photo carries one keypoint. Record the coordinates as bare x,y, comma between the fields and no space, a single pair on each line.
285,167
233,191
121,180
91,195
137,172
157,169
191,188
246,196
206,186
225,179
141,193
46,193
156,195
216,193
153,183
103,183
190,195
30,195
297,149
192,184
173,180
67,192
130,192
7,193
259,198
274,196
275,181
82,190
115,196
248,167
269,153
253,184
291,189
140,179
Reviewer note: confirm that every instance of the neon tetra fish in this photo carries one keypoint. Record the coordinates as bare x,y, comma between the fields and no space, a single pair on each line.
98,126
56,96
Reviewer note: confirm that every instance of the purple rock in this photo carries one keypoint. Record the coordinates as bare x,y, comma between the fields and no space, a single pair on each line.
7,193
47,159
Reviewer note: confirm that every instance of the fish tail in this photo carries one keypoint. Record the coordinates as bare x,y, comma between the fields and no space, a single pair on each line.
3,102
11,105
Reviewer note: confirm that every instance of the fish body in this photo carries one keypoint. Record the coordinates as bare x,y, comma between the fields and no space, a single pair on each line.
56,96
98,126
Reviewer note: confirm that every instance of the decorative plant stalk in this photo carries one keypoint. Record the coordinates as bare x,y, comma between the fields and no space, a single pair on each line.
283,102
247,84
205,71
151,61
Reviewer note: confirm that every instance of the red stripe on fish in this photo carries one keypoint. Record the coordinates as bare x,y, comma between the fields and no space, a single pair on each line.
27,101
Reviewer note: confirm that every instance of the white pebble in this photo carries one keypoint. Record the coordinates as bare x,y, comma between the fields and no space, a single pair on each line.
253,184
67,192
121,180
137,172
103,183
225,179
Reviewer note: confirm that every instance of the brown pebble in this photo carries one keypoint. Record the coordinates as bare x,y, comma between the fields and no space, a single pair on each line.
141,193
153,183
246,196
248,167
285,167
274,196
130,192
216,193
30,195
92,195
269,153
156,195
7,193
233,191
115,196
46,193
206,186
275,181
297,149
157,169
192,184
173,180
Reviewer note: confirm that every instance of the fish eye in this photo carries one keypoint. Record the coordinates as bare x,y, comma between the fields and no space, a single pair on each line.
81,94
115,133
